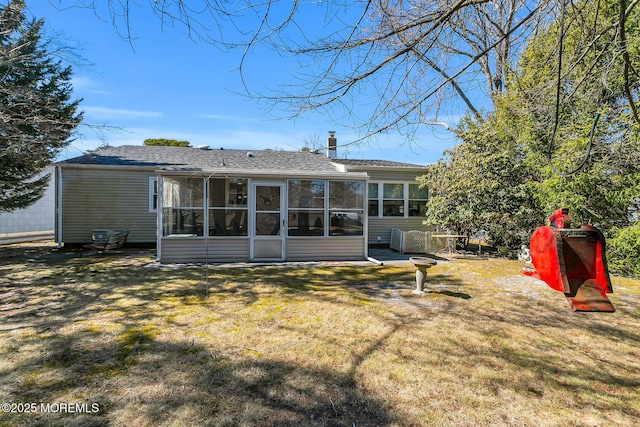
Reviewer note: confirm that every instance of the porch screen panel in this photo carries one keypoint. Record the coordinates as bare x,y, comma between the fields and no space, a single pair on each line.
346,208
183,206
306,214
228,208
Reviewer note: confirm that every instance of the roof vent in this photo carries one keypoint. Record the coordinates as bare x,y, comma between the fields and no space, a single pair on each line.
250,154
203,147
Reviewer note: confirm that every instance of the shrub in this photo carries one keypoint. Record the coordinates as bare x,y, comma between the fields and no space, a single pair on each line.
623,251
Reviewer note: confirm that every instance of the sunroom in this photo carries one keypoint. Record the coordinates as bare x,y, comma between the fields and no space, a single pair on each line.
223,217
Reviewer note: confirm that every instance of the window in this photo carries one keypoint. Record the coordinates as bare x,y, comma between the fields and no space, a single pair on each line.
228,208
182,206
153,194
397,199
418,200
306,207
346,208
393,200
373,199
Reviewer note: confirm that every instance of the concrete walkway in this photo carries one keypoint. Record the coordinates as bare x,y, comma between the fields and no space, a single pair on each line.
377,256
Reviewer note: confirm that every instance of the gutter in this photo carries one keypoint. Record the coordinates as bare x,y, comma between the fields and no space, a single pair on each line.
267,173
107,167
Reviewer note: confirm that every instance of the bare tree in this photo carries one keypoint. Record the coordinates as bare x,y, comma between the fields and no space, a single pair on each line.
405,63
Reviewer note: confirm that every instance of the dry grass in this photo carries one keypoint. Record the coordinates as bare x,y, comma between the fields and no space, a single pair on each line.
317,346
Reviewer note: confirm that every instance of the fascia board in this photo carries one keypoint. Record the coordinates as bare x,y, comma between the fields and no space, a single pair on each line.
107,167
245,173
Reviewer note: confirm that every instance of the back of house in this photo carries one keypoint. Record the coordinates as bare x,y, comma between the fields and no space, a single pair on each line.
202,204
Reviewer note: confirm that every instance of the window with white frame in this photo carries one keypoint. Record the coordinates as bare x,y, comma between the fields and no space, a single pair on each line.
373,199
397,199
392,199
418,198
153,194
228,207
183,206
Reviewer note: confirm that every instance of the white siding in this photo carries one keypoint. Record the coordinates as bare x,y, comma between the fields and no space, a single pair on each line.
38,217
381,227
319,249
106,199
194,250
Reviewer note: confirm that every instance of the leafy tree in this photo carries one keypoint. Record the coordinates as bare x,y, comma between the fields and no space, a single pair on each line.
522,161
624,250
596,177
166,142
483,184
37,114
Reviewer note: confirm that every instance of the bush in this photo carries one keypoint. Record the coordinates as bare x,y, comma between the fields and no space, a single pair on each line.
623,251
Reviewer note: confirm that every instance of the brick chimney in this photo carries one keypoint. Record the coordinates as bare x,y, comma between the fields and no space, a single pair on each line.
332,145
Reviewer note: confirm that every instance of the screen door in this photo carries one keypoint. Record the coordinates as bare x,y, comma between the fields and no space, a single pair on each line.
269,231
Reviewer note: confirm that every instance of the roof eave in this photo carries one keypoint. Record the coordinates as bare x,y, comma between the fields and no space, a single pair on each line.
387,168
267,173
111,167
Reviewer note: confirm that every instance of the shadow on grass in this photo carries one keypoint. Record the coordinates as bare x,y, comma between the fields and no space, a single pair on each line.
44,301
148,382
139,378
452,294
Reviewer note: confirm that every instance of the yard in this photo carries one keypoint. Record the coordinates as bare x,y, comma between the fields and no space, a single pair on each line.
119,340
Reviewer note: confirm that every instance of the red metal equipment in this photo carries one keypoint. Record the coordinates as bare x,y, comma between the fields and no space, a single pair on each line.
572,261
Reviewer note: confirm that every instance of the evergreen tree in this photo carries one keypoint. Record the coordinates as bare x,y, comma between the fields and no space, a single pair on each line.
37,114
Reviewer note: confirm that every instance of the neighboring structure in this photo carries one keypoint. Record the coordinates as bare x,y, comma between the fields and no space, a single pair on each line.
200,204
33,222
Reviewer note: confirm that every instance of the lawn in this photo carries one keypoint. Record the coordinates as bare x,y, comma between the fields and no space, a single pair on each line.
119,340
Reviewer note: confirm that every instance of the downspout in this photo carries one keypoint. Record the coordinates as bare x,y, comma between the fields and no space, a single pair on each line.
159,212
58,210
365,209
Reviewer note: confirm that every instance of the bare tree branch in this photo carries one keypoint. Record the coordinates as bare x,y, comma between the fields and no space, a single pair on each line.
403,62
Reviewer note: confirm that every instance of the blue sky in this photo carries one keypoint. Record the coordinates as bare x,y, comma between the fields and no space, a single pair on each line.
163,84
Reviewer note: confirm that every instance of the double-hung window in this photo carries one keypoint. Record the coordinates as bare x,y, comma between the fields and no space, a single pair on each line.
153,194
397,199
373,199
392,199
183,206
418,198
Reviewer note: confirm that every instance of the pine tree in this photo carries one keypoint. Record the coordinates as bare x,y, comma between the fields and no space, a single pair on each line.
37,114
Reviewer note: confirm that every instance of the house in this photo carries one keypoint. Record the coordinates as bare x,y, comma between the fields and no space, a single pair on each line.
198,204
33,222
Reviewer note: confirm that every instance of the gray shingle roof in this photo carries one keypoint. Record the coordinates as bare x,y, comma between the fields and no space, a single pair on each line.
187,158
377,163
